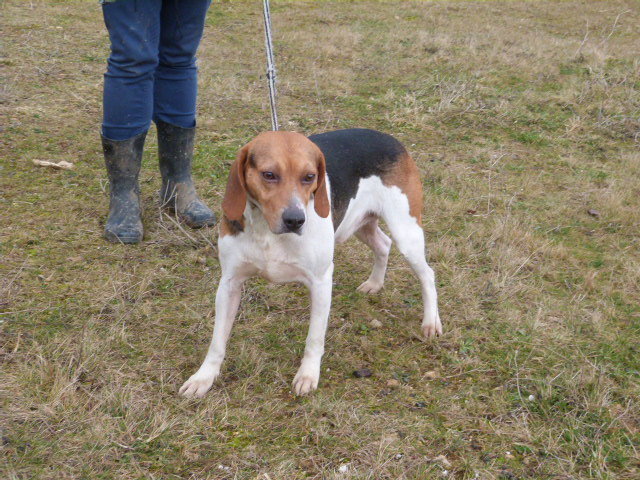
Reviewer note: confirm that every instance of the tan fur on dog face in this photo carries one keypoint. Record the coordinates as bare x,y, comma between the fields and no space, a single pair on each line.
275,173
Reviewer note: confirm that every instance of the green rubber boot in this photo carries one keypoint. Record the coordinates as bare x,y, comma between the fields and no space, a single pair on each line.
122,159
178,193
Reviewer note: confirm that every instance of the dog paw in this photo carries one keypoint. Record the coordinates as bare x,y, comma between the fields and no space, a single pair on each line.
430,330
197,385
304,383
370,287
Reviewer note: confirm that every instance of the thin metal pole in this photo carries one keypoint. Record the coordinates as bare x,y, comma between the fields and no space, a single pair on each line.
271,66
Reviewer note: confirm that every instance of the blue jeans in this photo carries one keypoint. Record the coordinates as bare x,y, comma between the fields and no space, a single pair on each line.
151,72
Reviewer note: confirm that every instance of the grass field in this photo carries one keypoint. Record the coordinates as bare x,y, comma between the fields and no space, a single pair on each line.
524,120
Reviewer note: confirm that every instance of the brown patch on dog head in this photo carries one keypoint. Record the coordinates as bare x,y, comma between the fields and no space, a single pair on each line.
284,169
320,195
405,175
231,227
235,196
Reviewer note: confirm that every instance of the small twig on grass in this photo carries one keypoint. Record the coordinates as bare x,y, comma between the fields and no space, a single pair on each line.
10,284
515,272
180,227
176,221
168,198
126,447
498,158
17,345
584,40
209,242
315,79
515,360
615,24
26,310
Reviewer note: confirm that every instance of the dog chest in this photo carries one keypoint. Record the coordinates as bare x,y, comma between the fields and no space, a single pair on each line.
276,259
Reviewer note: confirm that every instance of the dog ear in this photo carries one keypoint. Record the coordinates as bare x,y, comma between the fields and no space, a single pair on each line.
235,197
321,198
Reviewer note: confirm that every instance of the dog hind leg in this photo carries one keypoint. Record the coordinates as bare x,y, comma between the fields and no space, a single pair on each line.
409,238
370,234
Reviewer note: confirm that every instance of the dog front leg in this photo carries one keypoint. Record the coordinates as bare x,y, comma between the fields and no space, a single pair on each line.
308,374
227,301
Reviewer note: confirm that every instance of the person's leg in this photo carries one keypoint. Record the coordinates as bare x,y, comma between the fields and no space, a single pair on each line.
134,31
174,108
176,77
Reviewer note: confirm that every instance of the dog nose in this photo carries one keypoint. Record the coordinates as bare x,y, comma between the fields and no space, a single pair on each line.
293,219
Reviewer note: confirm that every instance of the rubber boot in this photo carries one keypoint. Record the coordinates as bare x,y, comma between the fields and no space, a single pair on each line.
123,159
175,149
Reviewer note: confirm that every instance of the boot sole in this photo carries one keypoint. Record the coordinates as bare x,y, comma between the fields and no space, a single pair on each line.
195,225
113,238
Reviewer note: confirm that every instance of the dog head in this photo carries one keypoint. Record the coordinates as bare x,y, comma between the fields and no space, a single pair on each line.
279,172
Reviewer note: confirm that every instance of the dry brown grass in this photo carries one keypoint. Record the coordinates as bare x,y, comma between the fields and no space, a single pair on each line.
521,116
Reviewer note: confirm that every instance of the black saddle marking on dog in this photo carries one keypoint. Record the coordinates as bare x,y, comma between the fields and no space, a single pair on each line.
351,155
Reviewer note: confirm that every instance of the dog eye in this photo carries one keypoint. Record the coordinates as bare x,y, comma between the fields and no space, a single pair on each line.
308,178
270,176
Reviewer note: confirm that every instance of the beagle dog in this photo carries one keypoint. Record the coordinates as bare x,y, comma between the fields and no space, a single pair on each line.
288,199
